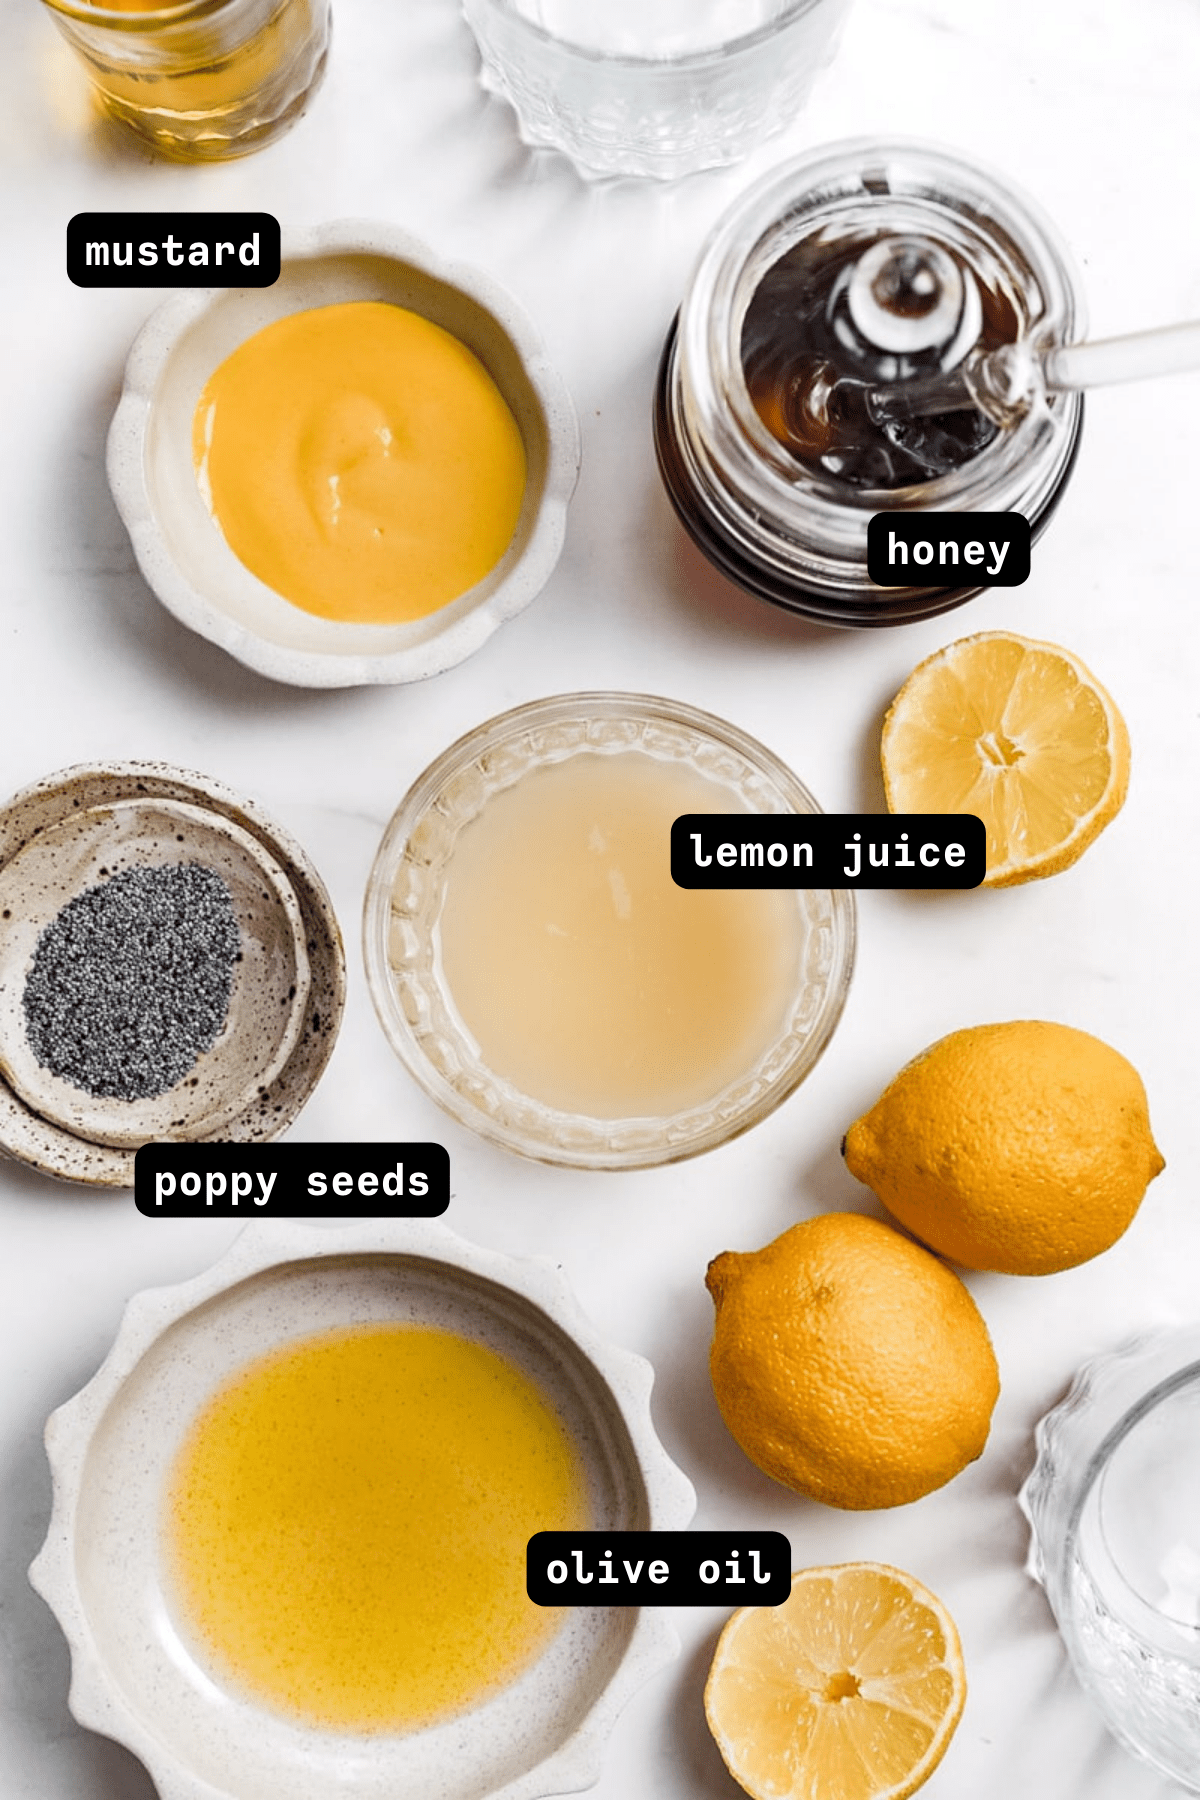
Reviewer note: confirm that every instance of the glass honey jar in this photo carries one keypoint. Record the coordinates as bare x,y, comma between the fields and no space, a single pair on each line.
863,265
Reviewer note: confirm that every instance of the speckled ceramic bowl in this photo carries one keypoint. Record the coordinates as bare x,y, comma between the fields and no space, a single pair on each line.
180,549
136,1676
76,812
269,987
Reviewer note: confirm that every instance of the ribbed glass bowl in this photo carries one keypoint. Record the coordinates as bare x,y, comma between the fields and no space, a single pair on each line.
407,889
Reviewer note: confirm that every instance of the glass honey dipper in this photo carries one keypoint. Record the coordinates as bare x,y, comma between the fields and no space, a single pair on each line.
905,298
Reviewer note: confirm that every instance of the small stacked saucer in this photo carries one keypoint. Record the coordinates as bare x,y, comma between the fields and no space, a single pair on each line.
170,969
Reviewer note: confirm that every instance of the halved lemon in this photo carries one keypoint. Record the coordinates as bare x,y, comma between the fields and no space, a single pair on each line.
1018,732
850,1690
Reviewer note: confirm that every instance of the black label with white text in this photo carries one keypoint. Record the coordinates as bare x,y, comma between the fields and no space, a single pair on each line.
658,1568
175,249
828,850
291,1181
948,549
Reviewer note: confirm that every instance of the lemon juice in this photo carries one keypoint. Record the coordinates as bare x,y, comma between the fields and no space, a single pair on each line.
586,977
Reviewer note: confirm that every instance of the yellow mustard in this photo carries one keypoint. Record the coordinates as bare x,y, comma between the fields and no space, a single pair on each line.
361,461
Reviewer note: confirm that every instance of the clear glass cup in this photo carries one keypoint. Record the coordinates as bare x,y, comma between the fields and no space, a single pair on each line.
205,80
653,87
796,535
1113,1504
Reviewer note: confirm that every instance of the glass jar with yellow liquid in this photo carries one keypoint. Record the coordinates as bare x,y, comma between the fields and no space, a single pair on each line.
205,80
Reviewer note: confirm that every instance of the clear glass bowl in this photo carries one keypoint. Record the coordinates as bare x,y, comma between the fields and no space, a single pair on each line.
407,890
653,87
1113,1504
793,534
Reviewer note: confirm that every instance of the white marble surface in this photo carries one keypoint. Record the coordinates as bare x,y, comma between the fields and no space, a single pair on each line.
1094,109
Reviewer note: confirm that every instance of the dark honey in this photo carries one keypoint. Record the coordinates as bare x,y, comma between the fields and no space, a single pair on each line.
843,289
809,369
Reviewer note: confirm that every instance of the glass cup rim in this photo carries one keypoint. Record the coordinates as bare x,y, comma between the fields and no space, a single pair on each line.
646,1148
1112,1395
686,61
1166,1387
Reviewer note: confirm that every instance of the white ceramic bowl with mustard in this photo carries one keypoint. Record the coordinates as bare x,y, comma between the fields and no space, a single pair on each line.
142,1674
183,552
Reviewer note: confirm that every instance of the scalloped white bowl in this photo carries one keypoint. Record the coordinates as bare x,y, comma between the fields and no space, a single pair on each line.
135,1677
179,548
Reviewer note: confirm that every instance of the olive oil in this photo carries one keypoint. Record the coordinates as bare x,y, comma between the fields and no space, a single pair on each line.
346,1526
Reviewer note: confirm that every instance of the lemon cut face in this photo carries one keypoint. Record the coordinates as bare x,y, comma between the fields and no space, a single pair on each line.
1019,733
851,1690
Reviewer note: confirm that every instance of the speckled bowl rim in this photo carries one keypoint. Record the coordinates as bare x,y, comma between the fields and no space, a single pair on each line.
468,625
95,1698
24,1134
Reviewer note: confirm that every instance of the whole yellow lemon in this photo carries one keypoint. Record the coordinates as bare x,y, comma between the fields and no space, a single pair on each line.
1023,1148
850,1364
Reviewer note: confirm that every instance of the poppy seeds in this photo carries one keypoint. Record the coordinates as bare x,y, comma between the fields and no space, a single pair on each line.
130,982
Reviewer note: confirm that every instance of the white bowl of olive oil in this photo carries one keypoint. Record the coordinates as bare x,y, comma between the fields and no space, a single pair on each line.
335,487
290,1511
